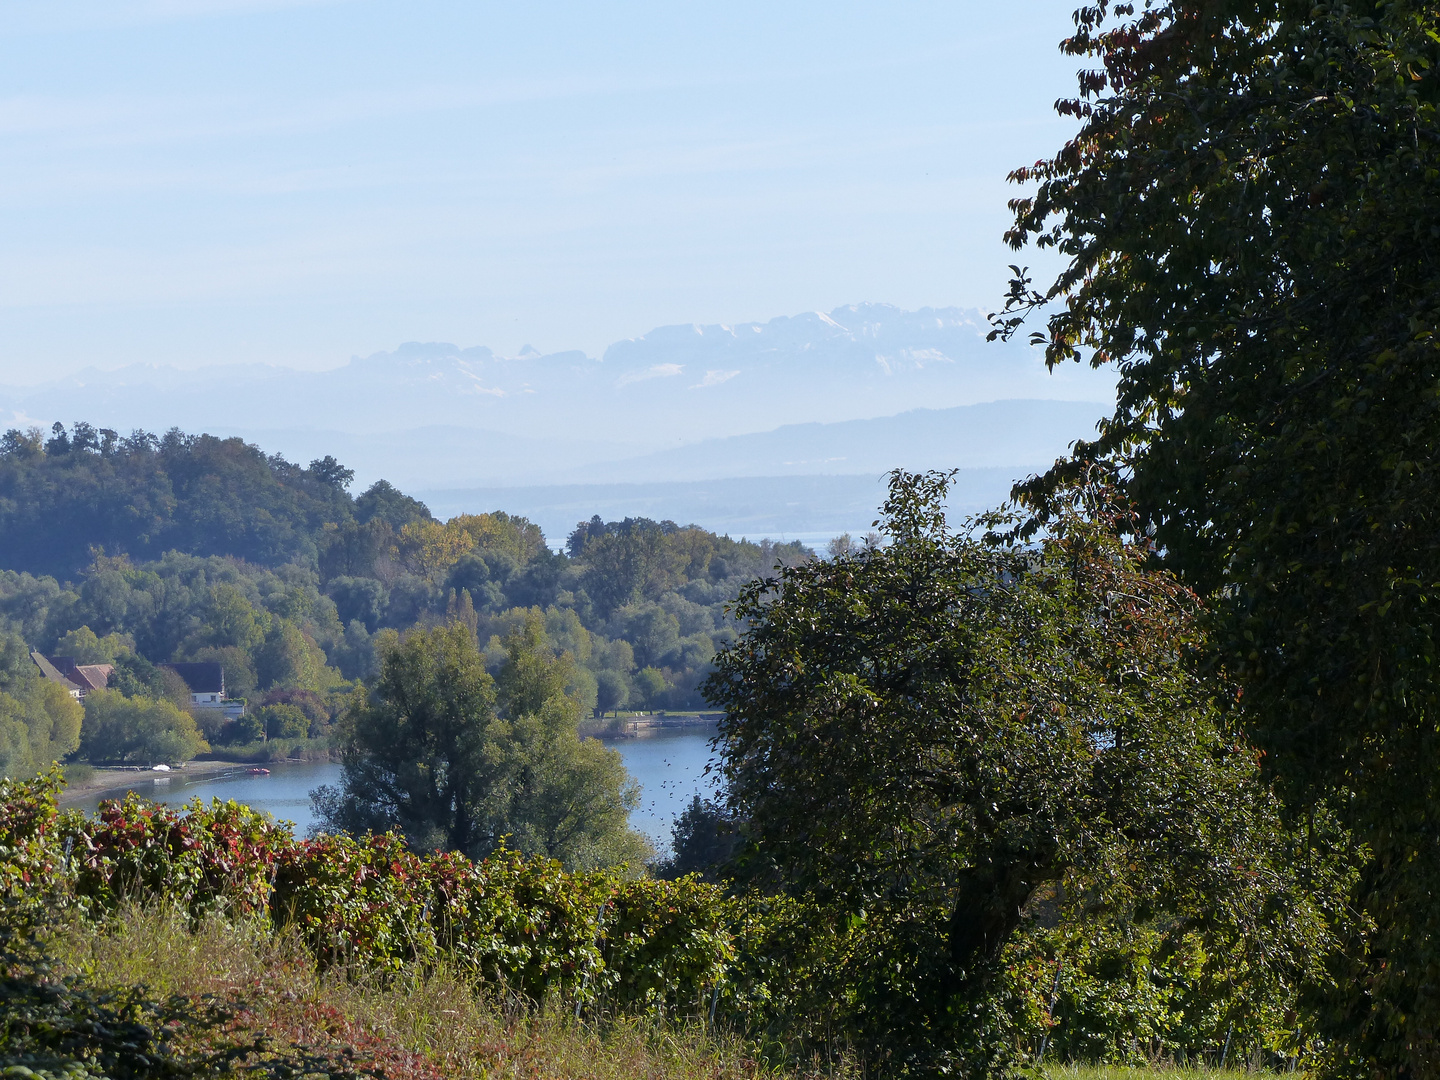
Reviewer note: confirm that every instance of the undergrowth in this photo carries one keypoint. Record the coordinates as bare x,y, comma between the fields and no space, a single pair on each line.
1174,1072
406,1024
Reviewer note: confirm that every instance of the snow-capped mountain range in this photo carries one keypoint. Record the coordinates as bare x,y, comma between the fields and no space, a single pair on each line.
434,413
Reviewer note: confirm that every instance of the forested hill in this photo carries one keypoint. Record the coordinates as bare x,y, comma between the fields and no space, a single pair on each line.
142,495
214,551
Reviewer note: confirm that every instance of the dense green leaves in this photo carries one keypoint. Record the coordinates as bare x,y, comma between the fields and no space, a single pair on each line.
432,752
927,739
525,925
145,495
39,721
295,595
1251,215
136,730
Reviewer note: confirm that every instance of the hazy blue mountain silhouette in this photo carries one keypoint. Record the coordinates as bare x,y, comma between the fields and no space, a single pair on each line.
676,383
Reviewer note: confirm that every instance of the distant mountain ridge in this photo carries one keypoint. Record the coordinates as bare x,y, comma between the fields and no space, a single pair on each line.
675,384
1021,434
810,509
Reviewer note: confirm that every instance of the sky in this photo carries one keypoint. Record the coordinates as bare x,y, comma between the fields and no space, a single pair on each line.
196,182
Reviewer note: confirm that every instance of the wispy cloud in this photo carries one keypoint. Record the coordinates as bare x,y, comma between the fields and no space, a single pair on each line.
659,371
714,378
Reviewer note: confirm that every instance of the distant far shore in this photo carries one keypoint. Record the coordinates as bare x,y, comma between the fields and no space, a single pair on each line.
630,725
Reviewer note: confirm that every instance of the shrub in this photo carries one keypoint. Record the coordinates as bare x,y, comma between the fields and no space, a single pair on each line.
284,722
201,857
594,938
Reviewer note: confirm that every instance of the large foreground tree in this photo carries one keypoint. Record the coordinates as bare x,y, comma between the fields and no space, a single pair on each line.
926,739
1250,215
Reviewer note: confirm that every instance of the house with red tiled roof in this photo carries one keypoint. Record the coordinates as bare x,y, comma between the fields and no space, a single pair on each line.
78,679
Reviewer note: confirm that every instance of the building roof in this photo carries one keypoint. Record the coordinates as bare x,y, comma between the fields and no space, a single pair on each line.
86,676
51,672
201,678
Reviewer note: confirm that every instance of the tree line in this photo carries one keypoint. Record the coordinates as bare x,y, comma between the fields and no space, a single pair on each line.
202,548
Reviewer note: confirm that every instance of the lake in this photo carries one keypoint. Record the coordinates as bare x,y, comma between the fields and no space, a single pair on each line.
668,763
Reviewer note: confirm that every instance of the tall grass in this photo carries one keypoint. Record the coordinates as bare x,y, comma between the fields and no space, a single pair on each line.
417,1023
1118,1072
431,1024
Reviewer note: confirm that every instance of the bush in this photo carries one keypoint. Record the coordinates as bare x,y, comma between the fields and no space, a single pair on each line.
593,939
246,728
284,722
781,970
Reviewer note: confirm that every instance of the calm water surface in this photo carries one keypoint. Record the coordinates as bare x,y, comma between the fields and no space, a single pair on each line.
668,763
284,794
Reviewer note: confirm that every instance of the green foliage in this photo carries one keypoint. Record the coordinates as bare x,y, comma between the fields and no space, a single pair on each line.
137,730
65,1030
87,648
288,658
650,686
612,690
594,938
1125,987
40,725
296,596
230,619
921,738
704,841
283,722
147,495
135,676
533,673
437,752
246,728
415,749
382,501
31,856
317,710
1250,213
39,721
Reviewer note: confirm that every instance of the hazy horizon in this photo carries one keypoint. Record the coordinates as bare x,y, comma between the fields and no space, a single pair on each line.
208,182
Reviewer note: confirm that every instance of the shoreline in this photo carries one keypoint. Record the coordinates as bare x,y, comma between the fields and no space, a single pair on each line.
119,777
634,726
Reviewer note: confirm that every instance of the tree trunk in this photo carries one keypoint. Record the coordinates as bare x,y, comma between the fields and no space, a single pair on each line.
989,900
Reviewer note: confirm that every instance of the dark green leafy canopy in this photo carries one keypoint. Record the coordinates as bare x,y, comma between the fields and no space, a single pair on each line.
1251,219
923,737
416,748
142,495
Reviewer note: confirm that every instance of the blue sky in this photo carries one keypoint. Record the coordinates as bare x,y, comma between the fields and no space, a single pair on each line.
192,182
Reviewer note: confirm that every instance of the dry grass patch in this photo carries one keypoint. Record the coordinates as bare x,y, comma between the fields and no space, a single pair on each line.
431,1024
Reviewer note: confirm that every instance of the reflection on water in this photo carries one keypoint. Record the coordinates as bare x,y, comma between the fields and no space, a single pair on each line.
668,763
